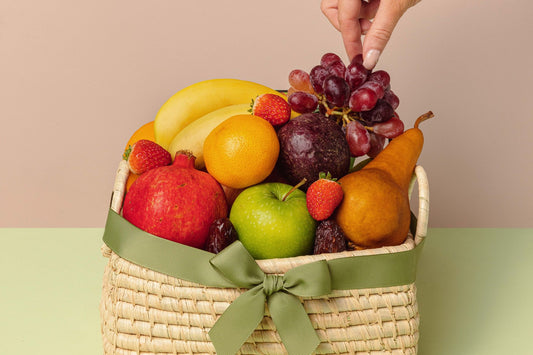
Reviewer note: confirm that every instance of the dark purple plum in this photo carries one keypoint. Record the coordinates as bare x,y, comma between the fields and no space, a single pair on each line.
309,144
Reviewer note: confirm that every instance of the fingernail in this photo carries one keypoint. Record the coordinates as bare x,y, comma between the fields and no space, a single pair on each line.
371,59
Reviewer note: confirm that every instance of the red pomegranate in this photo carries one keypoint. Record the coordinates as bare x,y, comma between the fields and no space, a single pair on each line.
176,202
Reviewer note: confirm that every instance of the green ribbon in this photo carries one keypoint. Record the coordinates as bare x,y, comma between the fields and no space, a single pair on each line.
234,267
279,291
161,255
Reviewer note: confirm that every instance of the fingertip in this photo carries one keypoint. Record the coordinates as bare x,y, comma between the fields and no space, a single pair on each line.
352,44
353,49
371,58
380,32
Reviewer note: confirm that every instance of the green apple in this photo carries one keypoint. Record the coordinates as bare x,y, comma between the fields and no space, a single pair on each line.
273,223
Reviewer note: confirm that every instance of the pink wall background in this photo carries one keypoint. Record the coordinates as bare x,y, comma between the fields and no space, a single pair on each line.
78,78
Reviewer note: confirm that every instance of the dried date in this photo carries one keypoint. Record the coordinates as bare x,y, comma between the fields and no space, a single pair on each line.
329,238
221,234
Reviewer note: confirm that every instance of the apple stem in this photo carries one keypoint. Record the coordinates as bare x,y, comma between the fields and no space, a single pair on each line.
304,180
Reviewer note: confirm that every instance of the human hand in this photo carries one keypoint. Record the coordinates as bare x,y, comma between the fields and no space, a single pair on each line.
352,19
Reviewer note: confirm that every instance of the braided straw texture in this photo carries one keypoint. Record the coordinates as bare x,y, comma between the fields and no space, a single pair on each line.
146,312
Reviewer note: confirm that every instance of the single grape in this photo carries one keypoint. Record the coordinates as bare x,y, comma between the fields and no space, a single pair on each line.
336,90
337,69
381,77
317,75
303,102
300,80
291,91
358,138
377,143
357,59
355,75
391,98
329,59
362,99
381,112
374,86
391,128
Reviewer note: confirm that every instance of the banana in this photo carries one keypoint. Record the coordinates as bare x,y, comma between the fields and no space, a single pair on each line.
200,98
192,137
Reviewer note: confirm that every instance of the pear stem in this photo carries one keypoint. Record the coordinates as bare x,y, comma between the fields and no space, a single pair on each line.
304,180
425,116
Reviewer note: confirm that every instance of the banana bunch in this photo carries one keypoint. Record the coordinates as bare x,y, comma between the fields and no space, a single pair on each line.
187,118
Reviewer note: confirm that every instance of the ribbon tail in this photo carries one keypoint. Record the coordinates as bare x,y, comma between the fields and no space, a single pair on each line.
238,322
293,324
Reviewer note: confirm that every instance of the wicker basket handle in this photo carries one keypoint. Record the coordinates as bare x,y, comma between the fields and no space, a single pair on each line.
119,187
423,202
117,197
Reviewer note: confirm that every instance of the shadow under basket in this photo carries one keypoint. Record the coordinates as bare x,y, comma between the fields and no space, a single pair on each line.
144,311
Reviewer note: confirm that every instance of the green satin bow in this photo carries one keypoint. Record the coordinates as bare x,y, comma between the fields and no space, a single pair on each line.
280,292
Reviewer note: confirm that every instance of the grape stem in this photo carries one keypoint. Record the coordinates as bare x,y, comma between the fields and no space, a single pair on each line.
329,111
343,116
324,103
347,118
332,111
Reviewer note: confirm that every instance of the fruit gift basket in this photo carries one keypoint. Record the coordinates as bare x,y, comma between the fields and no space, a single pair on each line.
251,228
154,309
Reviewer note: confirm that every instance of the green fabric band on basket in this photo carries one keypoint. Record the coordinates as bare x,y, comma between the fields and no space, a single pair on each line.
234,267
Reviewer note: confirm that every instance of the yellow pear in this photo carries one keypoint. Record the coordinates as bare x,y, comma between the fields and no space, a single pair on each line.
375,209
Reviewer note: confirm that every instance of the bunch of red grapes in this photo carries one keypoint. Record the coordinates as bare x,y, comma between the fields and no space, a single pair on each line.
360,100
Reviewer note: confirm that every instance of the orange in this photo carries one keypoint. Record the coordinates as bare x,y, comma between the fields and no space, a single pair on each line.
241,151
146,131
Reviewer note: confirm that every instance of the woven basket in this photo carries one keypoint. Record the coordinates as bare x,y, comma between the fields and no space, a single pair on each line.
146,312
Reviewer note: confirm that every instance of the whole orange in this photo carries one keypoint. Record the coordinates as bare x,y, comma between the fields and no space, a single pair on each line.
146,131
241,151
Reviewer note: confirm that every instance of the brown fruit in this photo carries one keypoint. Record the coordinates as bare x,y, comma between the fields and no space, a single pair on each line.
375,210
221,234
329,238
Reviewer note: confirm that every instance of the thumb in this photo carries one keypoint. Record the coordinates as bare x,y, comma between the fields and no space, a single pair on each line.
380,31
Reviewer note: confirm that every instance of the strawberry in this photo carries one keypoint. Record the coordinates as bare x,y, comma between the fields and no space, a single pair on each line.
273,108
145,155
323,196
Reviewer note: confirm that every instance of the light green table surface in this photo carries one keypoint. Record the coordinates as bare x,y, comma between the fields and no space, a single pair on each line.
475,291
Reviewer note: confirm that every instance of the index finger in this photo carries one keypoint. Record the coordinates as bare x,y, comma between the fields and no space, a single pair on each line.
348,13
